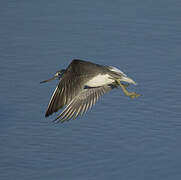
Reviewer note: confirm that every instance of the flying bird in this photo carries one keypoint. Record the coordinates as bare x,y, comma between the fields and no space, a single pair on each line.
81,85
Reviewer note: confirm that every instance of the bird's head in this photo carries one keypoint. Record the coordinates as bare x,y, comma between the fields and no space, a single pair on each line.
57,75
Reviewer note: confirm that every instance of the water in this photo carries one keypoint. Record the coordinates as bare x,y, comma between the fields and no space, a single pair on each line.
119,138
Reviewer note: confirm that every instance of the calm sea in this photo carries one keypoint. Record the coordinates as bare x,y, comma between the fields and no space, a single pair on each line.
119,138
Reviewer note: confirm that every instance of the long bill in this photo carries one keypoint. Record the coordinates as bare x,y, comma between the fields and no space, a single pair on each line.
54,77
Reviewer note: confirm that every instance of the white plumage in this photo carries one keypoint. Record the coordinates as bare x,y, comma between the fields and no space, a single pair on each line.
100,80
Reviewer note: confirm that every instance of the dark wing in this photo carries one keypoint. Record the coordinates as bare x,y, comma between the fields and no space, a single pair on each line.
82,102
67,89
72,82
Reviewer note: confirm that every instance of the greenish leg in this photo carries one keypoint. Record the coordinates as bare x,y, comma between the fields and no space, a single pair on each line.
129,94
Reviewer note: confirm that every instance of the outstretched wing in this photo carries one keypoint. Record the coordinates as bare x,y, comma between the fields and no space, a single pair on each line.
72,82
65,92
82,102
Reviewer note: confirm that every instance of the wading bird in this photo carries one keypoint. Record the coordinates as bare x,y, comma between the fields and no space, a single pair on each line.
81,85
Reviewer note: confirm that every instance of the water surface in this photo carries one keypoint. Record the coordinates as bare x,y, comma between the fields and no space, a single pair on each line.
119,138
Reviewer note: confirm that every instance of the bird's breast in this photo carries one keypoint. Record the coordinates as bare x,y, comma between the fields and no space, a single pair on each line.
99,80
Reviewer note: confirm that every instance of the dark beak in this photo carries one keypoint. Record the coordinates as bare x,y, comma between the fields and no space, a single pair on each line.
54,77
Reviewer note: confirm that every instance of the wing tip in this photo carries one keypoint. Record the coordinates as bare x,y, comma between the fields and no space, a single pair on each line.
46,114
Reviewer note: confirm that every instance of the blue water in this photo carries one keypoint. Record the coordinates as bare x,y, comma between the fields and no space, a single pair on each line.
119,138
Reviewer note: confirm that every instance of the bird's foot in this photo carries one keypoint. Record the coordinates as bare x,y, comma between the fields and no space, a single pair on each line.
129,94
132,95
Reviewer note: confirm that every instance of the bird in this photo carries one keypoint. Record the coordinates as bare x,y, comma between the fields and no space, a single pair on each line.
80,86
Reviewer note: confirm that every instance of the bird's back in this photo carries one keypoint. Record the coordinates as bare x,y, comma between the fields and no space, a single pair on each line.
80,67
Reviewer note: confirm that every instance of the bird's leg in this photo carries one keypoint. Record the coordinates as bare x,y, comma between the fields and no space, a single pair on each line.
117,84
129,94
125,85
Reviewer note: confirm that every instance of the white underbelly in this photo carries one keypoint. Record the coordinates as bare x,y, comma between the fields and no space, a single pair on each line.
99,80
